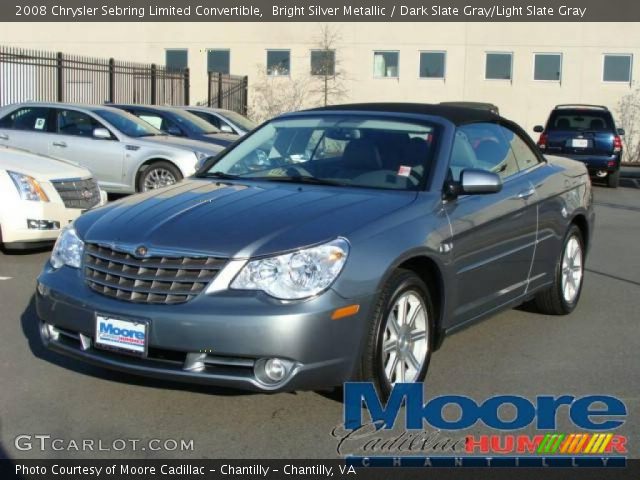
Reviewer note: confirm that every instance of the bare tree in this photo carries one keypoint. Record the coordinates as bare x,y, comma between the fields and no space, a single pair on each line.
326,66
273,95
629,119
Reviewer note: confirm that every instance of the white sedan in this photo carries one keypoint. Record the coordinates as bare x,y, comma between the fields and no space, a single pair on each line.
39,196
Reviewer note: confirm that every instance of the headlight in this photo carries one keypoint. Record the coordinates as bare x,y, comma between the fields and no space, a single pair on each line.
28,187
295,275
68,249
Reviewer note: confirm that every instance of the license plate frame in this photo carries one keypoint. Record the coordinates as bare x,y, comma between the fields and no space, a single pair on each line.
133,326
580,143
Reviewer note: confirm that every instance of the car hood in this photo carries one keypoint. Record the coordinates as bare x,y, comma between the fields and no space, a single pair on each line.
234,219
185,143
39,167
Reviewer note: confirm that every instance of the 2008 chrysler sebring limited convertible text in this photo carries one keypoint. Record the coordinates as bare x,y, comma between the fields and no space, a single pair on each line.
327,245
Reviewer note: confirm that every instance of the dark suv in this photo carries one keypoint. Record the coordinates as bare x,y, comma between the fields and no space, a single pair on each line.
586,133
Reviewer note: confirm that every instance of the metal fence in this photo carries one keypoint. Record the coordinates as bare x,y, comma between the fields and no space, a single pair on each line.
55,76
228,91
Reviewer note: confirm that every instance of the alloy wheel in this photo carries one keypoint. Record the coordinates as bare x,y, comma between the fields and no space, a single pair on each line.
158,178
405,341
571,270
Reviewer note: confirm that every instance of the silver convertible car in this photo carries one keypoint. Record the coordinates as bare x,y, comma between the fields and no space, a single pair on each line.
328,245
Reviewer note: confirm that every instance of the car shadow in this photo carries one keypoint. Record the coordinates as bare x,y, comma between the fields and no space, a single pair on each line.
30,327
25,252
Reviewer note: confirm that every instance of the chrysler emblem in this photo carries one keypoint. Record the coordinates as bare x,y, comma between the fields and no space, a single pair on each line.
141,251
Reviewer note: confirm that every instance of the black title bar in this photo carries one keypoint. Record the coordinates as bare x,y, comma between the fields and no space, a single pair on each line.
319,11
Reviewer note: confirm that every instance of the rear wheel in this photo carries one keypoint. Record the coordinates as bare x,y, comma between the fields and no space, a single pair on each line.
613,179
562,297
398,346
158,175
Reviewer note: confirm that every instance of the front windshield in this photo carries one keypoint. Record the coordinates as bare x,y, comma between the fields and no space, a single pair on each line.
237,119
128,124
362,151
193,123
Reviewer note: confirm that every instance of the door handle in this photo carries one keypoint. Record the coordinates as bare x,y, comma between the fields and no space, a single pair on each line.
60,144
4,137
526,193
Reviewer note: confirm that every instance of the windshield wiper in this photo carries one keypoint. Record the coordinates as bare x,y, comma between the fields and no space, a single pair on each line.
300,179
222,175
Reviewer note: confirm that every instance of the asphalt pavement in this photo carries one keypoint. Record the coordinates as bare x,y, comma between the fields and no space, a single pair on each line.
594,350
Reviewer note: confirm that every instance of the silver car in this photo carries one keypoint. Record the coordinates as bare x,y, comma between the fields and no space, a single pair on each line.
227,121
124,153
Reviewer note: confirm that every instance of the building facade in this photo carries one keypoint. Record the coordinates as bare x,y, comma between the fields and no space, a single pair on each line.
523,68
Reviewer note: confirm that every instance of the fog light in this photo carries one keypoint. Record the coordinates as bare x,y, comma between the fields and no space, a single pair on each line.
42,224
275,369
52,332
272,370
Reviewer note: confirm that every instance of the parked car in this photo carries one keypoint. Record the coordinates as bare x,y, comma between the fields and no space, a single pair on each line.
180,123
123,153
586,133
227,121
481,105
276,269
39,196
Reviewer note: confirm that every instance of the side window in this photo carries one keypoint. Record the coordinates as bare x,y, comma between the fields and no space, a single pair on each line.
212,119
491,150
27,118
525,157
72,122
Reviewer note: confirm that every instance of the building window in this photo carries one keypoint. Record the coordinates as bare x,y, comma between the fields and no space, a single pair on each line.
177,58
278,62
386,64
498,66
218,61
617,68
432,64
547,66
323,62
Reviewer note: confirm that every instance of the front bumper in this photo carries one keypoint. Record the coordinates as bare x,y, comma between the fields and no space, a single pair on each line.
16,233
234,329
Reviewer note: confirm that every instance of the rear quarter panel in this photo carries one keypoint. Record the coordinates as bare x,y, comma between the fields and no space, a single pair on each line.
563,193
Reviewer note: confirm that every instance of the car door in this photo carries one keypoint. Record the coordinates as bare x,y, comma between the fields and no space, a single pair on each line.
493,235
28,128
551,190
74,141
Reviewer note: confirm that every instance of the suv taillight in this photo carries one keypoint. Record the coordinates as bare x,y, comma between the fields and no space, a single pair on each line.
542,141
617,144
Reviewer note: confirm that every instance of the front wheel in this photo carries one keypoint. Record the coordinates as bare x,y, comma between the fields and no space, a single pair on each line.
562,297
158,175
398,347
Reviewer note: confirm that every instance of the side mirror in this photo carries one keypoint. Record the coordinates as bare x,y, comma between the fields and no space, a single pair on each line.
538,129
621,131
474,181
224,128
174,131
102,134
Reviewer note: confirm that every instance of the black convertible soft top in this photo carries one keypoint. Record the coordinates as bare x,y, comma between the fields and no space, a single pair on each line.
456,115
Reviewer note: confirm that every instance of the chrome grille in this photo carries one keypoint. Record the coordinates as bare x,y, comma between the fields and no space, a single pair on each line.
165,280
82,194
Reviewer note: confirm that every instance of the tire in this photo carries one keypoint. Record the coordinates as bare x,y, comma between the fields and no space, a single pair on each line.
613,179
160,173
403,284
553,300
